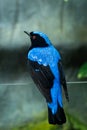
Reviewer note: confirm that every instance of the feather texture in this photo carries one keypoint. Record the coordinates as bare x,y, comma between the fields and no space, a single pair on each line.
46,70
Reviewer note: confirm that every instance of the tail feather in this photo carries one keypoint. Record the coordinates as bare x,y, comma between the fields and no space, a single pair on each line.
58,118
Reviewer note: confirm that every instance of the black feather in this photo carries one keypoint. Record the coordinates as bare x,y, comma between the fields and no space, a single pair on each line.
42,77
58,118
62,79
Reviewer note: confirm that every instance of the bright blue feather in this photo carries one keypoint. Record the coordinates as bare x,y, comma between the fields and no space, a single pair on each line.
49,56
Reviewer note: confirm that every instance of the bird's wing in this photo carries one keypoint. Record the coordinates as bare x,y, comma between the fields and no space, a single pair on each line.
62,79
42,77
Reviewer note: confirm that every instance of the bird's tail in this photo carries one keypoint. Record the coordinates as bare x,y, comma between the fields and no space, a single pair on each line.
58,118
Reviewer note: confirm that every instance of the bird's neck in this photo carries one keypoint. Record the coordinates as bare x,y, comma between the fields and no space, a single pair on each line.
38,46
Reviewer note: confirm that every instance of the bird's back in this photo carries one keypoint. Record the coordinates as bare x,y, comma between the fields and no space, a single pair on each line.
45,56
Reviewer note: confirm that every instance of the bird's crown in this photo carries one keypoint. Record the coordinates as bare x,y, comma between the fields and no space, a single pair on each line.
43,35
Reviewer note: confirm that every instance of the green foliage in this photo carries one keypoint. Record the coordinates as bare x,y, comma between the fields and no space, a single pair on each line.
42,124
82,71
74,123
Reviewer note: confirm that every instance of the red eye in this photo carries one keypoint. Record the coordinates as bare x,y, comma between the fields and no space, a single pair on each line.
33,37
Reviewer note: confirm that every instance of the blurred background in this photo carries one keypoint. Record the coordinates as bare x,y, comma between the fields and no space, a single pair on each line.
22,107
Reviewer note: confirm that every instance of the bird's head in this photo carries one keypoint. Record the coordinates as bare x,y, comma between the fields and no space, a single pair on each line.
38,39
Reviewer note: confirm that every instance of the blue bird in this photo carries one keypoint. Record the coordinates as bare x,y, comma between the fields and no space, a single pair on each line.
47,72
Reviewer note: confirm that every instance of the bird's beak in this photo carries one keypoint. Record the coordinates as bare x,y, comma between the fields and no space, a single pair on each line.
27,33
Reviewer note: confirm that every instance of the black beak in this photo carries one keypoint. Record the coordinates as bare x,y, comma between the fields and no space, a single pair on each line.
27,33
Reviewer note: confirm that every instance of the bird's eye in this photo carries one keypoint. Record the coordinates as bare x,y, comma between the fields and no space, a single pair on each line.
34,37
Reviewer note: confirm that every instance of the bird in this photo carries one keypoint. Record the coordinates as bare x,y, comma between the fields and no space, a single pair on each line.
46,70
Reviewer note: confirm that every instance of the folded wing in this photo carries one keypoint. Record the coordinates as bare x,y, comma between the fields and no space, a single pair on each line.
42,77
63,80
